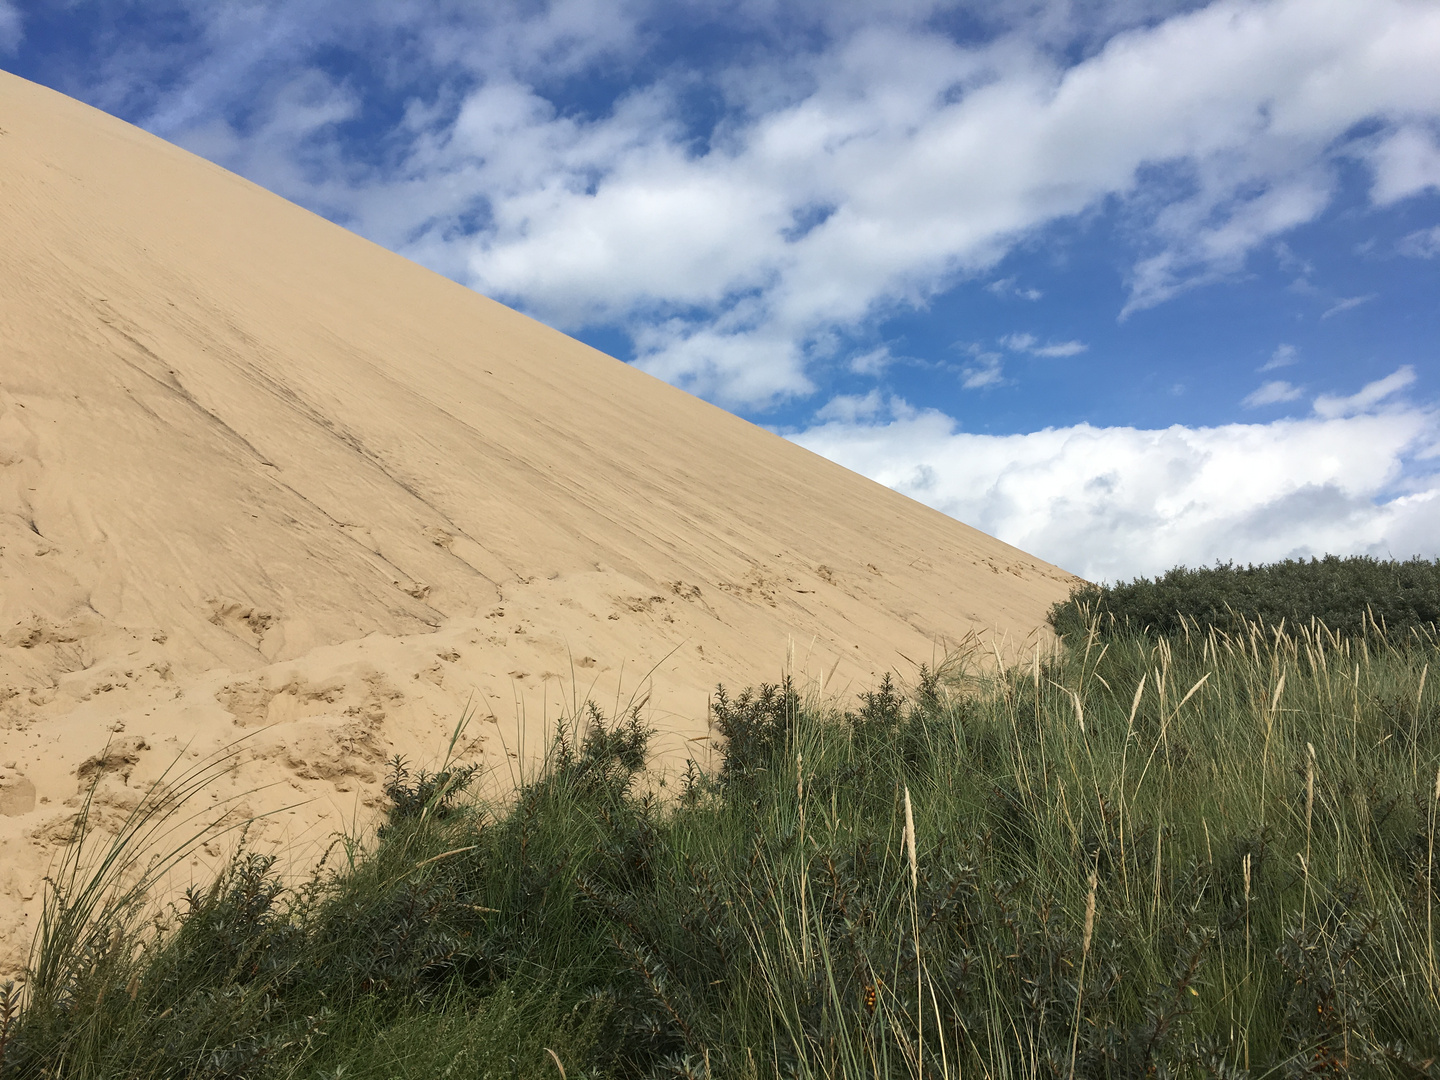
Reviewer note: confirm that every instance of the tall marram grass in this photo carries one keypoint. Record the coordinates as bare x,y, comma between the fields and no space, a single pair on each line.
1208,855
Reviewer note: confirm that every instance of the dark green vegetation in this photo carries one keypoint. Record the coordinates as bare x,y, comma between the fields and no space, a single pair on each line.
1211,856
1346,595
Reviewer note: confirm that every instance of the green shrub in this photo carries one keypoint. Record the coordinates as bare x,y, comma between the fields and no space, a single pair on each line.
1346,595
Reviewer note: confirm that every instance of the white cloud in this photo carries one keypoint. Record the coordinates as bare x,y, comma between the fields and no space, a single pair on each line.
851,408
1406,163
1029,343
1369,396
1195,251
873,362
983,372
1283,356
844,182
1112,503
1271,393
12,28
1007,287
755,366
1062,349
1421,244
1346,304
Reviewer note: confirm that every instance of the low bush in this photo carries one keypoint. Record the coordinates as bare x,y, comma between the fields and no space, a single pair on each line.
1347,595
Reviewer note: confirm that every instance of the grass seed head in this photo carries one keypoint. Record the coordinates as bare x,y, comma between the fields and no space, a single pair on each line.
1090,912
910,843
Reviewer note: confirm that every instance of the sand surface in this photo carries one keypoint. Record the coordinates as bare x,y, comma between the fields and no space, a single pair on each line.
260,478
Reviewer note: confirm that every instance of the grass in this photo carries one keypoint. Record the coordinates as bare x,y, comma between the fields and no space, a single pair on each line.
1202,855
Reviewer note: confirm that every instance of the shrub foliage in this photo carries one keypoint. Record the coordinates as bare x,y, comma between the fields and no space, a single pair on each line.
1345,594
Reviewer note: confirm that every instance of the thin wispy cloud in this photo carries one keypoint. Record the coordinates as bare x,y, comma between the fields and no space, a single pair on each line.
11,28
1368,397
1029,343
1271,393
1350,303
1421,244
1283,356
1007,287
873,362
983,372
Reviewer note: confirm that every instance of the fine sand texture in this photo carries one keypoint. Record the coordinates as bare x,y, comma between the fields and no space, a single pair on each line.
263,480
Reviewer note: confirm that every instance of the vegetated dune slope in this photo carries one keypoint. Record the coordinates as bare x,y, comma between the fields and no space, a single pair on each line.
260,478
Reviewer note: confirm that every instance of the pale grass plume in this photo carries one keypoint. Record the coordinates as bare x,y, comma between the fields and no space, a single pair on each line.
1084,956
1090,914
910,843
1429,886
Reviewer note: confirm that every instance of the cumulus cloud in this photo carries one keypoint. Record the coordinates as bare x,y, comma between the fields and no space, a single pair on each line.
853,178
1357,476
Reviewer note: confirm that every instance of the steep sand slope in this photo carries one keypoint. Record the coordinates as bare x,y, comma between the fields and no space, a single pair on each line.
260,477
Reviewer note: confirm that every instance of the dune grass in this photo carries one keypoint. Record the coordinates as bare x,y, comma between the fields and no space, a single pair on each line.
1186,856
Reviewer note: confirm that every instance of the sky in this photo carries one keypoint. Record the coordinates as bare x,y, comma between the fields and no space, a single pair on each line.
1127,284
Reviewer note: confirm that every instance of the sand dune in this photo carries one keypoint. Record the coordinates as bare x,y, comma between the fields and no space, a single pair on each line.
259,477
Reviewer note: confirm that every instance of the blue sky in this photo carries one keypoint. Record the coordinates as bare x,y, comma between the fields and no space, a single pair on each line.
1126,284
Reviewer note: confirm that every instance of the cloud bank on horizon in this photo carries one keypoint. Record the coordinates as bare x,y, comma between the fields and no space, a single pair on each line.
1116,502
1127,285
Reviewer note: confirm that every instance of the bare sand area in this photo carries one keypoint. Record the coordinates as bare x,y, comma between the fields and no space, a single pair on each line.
261,479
